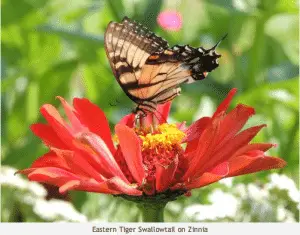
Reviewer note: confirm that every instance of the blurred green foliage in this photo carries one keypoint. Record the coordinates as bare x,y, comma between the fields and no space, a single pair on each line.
55,48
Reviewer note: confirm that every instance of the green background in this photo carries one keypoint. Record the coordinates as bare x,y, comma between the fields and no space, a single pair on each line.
55,48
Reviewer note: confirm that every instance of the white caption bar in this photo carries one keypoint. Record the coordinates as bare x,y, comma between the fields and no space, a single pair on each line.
148,228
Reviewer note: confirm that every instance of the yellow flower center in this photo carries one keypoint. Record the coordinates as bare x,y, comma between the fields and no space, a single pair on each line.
166,135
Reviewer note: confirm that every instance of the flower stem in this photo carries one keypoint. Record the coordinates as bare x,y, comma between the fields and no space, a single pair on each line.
152,212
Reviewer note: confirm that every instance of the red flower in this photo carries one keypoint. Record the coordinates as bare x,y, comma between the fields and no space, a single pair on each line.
147,160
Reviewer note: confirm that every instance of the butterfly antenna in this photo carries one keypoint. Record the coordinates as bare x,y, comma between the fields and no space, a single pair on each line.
218,43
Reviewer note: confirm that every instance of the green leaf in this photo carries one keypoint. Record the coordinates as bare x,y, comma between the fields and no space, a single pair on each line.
72,35
284,28
32,104
117,9
16,124
56,81
284,92
151,11
12,14
21,155
245,39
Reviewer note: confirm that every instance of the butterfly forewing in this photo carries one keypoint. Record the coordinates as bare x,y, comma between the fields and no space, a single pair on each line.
132,43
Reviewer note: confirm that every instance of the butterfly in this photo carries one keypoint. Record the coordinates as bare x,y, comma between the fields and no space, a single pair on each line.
147,69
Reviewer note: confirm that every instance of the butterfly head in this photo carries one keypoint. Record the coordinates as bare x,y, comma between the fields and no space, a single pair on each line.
206,61
202,62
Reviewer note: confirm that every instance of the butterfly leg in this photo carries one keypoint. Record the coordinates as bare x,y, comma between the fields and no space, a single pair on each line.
140,115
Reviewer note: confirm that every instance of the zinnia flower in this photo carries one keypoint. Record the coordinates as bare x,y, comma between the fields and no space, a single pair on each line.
150,159
170,20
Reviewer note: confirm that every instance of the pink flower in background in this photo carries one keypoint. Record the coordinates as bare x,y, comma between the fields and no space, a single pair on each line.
170,20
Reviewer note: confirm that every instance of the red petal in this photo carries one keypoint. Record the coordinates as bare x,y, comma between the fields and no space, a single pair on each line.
162,112
256,146
119,185
243,138
94,118
206,145
131,149
87,185
161,115
207,178
68,181
195,130
76,125
190,149
72,184
224,105
193,134
48,135
50,159
78,164
99,163
247,164
182,126
233,123
51,113
221,169
128,120
95,145
165,174
57,123
26,171
52,175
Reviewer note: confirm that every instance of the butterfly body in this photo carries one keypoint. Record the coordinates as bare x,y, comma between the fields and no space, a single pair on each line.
148,70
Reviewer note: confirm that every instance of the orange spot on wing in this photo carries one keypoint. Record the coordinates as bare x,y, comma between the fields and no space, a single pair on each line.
153,57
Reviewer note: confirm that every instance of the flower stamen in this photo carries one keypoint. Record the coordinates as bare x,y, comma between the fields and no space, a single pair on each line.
166,135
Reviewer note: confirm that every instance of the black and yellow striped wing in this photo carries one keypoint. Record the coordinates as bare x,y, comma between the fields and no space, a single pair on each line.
146,68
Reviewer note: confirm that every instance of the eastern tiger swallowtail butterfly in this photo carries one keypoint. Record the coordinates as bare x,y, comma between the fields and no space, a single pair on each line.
147,69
